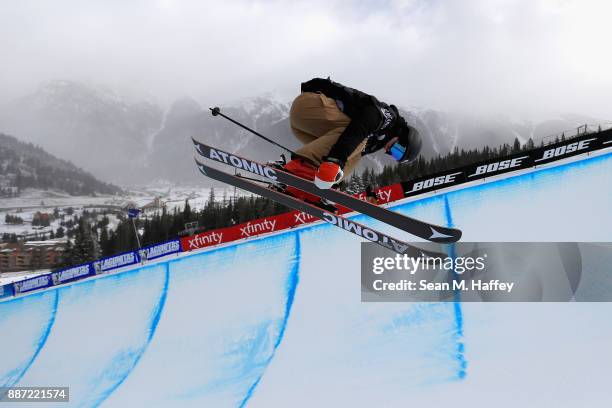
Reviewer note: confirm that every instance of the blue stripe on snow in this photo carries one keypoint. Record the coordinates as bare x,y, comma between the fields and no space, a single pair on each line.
456,302
39,345
156,315
292,282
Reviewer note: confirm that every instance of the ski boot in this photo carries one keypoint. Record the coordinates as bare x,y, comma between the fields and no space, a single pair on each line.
306,170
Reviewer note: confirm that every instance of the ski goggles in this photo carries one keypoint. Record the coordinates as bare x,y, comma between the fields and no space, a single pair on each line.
397,151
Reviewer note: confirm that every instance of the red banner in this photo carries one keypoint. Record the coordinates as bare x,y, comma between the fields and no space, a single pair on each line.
275,223
386,194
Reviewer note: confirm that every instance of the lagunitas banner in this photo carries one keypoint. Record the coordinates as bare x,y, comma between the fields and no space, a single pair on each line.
532,158
115,261
158,250
72,274
28,285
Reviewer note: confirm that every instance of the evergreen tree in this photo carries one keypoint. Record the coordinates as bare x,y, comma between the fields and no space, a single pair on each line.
67,256
84,249
211,198
355,184
187,211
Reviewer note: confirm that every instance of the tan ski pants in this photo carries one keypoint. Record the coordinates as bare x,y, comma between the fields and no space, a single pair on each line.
318,123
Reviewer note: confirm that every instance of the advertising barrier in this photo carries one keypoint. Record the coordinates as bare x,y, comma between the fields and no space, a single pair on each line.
530,158
158,250
254,228
100,266
72,274
274,223
115,261
386,194
6,291
28,285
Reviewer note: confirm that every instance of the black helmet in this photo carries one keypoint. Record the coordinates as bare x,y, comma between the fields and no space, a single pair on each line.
409,145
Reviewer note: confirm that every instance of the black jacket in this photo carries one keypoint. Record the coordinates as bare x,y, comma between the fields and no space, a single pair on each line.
370,118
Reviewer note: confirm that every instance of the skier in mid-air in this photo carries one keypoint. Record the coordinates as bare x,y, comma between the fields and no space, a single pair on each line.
338,125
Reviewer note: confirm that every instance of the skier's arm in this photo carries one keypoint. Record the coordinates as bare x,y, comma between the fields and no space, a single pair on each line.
364,122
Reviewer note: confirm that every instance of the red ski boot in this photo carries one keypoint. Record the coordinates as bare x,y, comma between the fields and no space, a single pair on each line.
306,170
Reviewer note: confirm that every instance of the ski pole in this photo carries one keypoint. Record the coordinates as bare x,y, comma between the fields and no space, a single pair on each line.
216,111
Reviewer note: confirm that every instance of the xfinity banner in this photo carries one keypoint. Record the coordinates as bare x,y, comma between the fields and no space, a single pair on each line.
541,155
488,272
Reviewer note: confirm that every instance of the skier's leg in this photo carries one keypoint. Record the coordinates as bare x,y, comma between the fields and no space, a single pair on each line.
312,115
353,160
316,150
316,121
302,136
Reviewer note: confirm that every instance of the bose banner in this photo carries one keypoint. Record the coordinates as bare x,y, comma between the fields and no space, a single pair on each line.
522,160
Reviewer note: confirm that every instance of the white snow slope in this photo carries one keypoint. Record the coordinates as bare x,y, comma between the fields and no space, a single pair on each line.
278,321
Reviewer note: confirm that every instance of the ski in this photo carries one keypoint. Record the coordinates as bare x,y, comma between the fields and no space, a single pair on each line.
356,228
421,229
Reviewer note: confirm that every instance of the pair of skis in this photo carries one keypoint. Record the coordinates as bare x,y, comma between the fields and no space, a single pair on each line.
421,229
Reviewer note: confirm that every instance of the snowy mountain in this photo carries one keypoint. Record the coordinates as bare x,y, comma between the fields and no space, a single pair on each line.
23,165
442,131
90,126
172,150
135,142
445,131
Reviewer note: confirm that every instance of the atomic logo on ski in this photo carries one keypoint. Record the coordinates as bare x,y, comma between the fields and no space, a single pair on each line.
366,233
408,224
241,163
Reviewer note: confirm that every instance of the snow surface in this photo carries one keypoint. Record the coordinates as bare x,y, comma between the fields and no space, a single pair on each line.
278,322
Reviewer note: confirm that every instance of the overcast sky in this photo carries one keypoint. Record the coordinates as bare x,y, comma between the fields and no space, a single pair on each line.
483,55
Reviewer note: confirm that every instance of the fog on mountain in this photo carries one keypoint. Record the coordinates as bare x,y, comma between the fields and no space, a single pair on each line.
136,142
